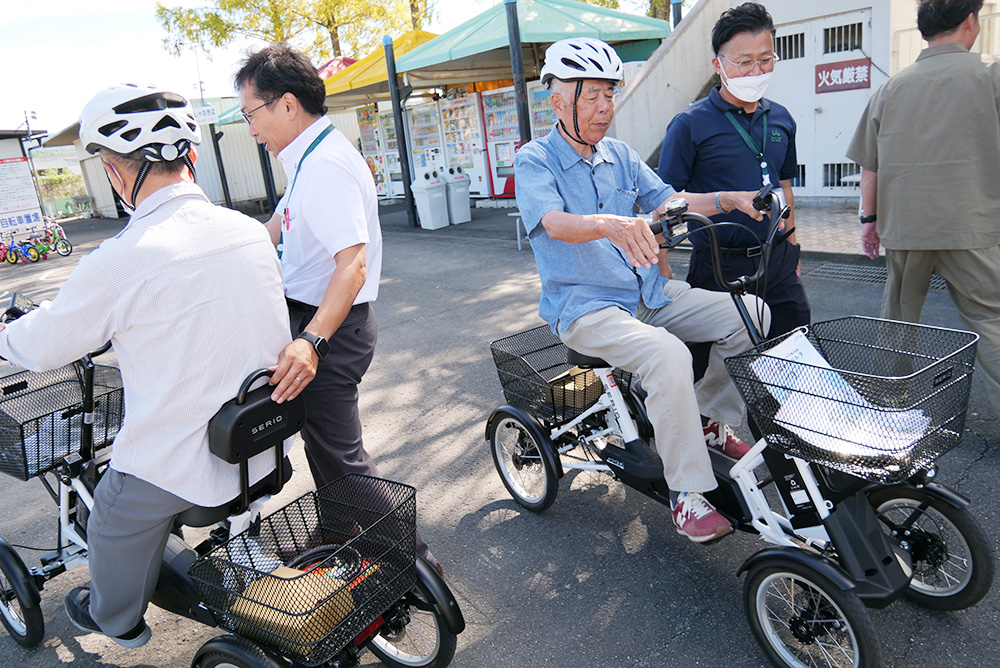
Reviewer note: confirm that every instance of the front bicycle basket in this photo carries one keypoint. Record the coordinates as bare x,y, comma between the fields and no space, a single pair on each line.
877,399
536,378
318,572
41,416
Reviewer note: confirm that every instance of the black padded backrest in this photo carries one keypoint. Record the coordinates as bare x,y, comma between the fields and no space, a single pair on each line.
240,431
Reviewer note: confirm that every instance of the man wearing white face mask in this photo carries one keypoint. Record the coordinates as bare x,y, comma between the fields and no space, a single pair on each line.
735,139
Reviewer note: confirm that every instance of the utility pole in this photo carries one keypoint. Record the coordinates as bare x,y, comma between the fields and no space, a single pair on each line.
31,161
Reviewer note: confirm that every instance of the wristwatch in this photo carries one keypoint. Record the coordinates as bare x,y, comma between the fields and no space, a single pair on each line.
319,344
867,219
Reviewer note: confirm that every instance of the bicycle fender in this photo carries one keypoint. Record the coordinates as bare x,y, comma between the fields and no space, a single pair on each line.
823,566
443,599
21,580
947,494
536,431
236,647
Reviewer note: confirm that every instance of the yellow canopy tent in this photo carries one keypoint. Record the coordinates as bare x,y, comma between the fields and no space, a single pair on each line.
367,80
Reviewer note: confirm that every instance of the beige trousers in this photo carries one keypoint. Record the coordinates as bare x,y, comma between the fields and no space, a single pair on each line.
652,346
973,278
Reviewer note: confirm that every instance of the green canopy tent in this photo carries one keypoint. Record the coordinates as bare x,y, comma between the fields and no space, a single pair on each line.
479,49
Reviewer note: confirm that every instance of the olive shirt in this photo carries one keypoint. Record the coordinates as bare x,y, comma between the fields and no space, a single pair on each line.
932,133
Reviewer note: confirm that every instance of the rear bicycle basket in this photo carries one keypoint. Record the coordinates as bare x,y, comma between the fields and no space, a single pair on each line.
318,572
536,378
41,416
877,399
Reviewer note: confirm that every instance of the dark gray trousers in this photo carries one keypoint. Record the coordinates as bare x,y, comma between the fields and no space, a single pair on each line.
332,432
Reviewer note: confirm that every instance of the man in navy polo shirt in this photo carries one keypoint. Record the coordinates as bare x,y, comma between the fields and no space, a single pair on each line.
734,139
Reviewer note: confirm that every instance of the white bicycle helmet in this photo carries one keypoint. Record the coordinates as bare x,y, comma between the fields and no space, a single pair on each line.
581,58
157,124
129,118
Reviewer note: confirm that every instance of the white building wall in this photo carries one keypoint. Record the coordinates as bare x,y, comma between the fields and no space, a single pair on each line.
10,148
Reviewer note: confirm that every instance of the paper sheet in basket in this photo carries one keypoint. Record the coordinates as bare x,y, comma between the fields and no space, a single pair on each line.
820,406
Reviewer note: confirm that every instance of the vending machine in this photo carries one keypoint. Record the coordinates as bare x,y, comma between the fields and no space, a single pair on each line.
540,104
502,137
387,124
425,138
371,148
463,140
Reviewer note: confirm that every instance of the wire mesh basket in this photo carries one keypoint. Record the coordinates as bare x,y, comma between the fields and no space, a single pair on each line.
536,377
318,572
41,416
877,399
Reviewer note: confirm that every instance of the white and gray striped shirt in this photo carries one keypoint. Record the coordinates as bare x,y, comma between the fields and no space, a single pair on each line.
191,296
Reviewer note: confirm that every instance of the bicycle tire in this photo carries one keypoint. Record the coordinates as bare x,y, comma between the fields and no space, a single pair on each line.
64,247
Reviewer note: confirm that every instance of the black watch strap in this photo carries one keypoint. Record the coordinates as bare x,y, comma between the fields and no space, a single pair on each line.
868,219
319,344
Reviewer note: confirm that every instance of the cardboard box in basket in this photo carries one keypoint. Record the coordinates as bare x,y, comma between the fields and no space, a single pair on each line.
299,607
577,388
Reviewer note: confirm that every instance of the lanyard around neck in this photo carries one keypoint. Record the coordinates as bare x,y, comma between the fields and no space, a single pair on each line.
286,220
758,152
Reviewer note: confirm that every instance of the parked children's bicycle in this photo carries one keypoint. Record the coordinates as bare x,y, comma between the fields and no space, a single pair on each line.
52,238
850,414
24,251
313,584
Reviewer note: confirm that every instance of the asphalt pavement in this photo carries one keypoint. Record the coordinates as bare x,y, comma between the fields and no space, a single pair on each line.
601,578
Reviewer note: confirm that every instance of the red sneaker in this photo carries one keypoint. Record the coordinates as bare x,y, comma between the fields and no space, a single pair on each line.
697,519
721,438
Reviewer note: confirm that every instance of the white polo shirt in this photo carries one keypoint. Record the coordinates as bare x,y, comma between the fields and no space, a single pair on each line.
331,206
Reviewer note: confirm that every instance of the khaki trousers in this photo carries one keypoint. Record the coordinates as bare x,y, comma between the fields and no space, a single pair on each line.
652,346
973,278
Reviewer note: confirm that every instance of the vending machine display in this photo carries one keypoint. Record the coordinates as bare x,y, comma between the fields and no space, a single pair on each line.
502,137
463,140
542,116
425,137
371,148
387,124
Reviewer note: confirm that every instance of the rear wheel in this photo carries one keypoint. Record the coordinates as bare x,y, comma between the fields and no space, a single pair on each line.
22,619
237,653
64,247
11,256
424,642
32,254
952,560
525,471
801,619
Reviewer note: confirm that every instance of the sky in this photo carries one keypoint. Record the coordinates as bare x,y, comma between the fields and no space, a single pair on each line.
56,54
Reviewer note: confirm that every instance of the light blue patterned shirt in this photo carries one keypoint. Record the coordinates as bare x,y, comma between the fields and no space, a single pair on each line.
580,278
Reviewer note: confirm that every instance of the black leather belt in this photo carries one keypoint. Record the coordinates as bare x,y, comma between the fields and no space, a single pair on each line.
752,251
297,305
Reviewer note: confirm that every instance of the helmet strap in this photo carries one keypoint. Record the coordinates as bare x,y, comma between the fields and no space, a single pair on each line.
190,165
139,179
576,125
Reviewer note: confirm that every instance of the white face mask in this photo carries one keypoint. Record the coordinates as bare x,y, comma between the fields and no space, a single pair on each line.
747,89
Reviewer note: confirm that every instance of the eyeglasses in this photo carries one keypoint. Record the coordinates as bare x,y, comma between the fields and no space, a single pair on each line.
248,115
746,66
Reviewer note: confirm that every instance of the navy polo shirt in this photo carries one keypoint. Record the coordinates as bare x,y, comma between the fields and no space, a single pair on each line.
702,152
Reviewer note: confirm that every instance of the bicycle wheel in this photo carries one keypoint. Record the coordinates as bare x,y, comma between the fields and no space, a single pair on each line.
64,247
22,619
32,254
517,454
952,561
803,620
11,255
425,641
237,653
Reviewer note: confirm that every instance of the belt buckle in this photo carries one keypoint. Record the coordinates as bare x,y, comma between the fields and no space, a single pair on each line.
755,251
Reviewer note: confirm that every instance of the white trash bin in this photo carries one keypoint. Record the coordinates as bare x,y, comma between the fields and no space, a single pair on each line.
459,206
429,193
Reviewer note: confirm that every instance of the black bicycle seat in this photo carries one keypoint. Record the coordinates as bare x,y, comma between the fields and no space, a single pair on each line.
584,361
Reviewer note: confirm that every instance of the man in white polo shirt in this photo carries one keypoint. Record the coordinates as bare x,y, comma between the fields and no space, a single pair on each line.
327,233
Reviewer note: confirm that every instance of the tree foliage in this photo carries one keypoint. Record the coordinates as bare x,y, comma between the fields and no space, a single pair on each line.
321,28
60,184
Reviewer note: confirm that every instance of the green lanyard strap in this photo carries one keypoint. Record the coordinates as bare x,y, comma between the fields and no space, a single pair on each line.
758,152
286,220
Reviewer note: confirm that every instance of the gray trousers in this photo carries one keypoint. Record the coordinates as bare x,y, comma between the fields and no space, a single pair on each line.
126,534
332,432
652,346
973,278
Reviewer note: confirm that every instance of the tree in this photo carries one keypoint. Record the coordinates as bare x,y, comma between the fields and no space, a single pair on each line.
60,184
321,28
